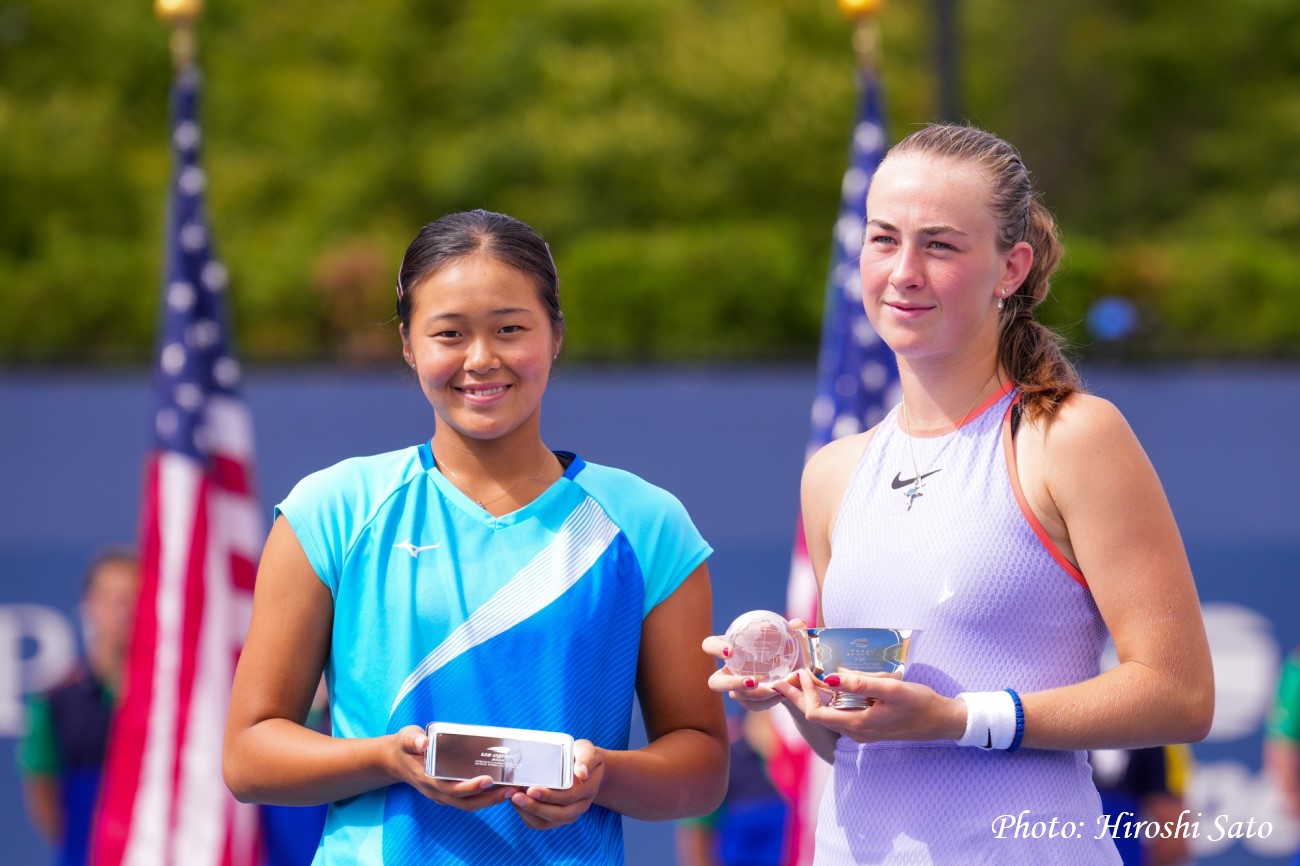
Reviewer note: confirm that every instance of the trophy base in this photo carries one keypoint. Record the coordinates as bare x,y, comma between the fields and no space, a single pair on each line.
850,701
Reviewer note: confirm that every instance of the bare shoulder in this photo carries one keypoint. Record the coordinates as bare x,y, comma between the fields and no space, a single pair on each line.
834,462
1083,425
827,475
1084,453
1079,468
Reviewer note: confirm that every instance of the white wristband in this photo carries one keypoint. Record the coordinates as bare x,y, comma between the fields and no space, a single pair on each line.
990,720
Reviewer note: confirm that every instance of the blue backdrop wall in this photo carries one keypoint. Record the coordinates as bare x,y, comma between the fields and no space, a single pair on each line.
729,441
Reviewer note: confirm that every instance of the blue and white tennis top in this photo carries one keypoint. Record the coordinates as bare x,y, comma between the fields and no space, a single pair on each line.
443,612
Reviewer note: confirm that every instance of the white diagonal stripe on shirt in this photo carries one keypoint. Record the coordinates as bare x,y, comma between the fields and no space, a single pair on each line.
580,541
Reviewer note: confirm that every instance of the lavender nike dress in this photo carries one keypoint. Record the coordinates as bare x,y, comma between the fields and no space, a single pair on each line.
997,607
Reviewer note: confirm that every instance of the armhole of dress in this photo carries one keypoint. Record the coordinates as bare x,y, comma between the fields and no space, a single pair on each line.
858,469
1011,422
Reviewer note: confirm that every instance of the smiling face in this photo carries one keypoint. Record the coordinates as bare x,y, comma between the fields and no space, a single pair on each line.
482,344
931,270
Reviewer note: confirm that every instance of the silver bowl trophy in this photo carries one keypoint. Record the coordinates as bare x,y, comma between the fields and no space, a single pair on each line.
765,647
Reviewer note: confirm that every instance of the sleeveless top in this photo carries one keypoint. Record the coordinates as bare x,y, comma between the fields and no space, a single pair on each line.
997,607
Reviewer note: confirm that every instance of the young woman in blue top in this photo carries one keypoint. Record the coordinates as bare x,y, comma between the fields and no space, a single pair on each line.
478,577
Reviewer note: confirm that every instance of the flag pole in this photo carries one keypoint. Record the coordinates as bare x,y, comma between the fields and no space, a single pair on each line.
180,16
866,30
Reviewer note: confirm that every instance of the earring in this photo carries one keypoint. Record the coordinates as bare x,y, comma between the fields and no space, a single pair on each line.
1001,303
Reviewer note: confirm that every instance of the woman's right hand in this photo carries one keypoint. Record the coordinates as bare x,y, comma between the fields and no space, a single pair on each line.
470,795
796,692
753,696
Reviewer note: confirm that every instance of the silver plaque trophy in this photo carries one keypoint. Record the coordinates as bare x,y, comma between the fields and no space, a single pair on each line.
509,756
765,647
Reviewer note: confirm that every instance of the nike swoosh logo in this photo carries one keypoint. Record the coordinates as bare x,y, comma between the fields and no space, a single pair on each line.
903,482
413,549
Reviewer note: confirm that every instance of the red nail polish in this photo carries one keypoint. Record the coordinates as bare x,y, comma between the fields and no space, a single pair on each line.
833,680
749,683
726,652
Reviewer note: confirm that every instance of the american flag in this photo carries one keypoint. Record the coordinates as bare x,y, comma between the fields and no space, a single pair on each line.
857,382
164,802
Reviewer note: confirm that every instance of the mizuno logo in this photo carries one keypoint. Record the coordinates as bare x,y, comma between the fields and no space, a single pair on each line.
414,550
903,482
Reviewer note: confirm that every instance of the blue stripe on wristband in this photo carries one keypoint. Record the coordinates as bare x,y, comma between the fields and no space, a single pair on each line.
1020,721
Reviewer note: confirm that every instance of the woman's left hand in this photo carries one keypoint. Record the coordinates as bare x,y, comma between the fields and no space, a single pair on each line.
547,808
898,710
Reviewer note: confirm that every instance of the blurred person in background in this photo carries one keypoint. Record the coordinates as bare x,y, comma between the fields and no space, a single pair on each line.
1149,785
749,828
62,754
1282,737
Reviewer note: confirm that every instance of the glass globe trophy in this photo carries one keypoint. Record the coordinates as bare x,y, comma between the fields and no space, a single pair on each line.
763,646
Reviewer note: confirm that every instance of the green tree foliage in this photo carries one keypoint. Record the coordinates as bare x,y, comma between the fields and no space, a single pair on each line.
1163,136
683,158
